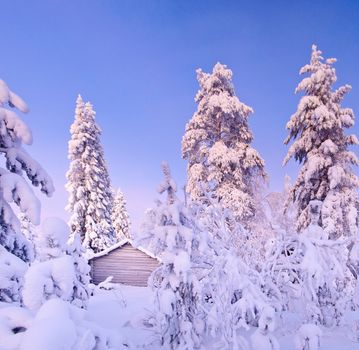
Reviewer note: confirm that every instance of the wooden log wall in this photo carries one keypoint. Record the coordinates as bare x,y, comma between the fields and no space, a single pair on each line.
126,264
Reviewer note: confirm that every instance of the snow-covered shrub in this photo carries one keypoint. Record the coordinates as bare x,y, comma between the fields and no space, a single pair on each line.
62,272
223,229
14,321
28,229
354,331
177,318
12,270
81,290
52,328
308,337
311,273
262,338
233,301
90,195
321,145
233,296
51,240
58,325
217,146
48,279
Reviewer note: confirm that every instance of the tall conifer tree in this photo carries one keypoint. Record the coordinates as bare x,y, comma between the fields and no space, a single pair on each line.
217,146
322,147
90,195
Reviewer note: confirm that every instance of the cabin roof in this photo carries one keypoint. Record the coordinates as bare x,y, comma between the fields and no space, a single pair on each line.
119,245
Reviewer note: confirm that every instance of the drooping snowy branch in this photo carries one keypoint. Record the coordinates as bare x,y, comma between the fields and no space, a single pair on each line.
13,187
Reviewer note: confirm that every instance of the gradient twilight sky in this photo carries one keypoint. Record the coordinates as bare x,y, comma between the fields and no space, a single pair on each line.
136,61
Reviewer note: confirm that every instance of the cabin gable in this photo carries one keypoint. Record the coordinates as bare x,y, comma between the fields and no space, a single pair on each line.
127,264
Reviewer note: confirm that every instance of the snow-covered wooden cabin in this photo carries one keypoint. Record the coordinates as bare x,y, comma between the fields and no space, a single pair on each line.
127,264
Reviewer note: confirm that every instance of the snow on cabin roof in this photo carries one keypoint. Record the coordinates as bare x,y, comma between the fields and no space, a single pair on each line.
119,245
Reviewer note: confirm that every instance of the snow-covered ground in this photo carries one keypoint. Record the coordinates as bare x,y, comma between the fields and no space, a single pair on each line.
123,309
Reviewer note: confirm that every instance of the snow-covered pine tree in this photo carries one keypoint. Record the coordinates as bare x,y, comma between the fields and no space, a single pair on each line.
90,195
120,219
14,247
217,146
177,318
322,147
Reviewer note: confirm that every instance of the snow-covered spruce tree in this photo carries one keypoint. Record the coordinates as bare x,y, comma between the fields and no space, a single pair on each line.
153,228
177,318
90,195
15,189
321,146
217,146
120,219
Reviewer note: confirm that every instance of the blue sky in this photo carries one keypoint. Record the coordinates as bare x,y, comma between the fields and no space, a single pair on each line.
136,61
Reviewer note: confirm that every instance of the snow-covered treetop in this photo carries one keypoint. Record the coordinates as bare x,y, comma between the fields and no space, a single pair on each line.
83,130
320,109
168,184
217,144
219,109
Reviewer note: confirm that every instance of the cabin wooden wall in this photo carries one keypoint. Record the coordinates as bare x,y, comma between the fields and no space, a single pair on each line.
126,264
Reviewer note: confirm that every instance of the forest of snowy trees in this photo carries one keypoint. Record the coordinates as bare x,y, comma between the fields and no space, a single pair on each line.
239,267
